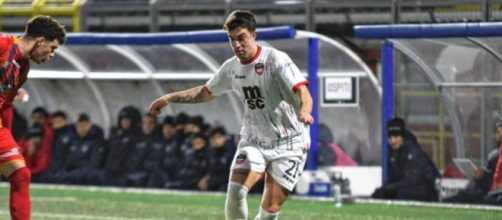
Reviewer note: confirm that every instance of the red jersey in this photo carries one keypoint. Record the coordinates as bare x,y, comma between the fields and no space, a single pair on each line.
13,73
497,176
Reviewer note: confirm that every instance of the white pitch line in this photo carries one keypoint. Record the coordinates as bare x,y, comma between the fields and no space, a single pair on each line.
76,216
428,204
53,199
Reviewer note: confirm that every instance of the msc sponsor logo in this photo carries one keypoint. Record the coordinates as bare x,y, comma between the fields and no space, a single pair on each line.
253,97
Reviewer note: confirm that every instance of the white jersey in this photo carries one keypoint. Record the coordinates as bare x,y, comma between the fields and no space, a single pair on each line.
267,86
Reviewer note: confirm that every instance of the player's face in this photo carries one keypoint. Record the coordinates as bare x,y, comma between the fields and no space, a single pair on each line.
43,50
168,131
499,133
58,122
148,124
243,43
83,128
198,143
125,123
218,140
396,141
38,118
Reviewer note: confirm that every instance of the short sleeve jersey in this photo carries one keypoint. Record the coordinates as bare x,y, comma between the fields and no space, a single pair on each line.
266,85
13,69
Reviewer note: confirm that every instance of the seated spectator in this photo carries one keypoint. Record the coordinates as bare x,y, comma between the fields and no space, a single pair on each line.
136,173
330,154
494,197
129,131
163,161
63,135
36,153
478,188
193,126
412,174
221,153
180,122
40,116
195,162
85,153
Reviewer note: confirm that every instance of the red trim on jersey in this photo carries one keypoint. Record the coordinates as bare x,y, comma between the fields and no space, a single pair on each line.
304,83
207,90
254,57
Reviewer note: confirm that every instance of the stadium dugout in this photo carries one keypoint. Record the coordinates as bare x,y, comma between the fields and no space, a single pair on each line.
445,80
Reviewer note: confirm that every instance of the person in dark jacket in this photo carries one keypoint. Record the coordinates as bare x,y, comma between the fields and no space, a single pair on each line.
195,162
478,188
84,154
64,133
412,174
129,131
221,153
163,161
135,171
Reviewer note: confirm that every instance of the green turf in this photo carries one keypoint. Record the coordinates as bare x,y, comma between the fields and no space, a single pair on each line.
85,204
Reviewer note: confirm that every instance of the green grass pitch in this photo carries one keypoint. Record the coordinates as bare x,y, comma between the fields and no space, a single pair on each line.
105,203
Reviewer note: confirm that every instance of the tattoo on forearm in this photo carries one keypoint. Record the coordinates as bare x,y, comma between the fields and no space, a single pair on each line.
194,95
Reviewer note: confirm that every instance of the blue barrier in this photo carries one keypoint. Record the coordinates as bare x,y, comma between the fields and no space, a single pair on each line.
209,36
429,30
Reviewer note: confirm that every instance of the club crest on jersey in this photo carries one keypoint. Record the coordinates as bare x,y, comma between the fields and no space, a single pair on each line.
259,68
240,158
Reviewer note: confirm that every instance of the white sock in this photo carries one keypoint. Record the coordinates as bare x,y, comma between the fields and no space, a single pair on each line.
236,206
264,215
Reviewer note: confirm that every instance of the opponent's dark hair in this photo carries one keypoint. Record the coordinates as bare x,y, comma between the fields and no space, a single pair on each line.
47,27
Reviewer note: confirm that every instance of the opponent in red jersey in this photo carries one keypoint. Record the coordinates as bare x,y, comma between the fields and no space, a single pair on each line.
42,36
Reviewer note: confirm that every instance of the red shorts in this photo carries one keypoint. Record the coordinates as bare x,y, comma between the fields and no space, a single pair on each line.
9,149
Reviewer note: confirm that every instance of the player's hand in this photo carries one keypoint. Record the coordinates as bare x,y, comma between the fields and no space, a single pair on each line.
157,105
22,95
203,184
305,118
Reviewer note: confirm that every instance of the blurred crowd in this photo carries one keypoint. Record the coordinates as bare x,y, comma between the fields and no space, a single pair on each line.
176,152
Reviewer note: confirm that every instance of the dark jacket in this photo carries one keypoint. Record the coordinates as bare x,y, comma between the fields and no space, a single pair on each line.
194,168
84,156
220,160
63,138
412,174
163,163
136,173
120,148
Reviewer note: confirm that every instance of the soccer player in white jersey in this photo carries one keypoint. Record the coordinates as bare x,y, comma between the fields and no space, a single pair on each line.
275,131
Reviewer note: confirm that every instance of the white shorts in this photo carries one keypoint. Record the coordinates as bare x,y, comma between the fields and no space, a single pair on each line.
283,163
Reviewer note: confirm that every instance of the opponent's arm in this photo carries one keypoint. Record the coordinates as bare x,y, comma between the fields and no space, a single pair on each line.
304,115
194,95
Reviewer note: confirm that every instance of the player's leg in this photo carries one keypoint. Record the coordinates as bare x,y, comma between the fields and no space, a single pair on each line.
282,175
247,168
13,167
273,198
19,177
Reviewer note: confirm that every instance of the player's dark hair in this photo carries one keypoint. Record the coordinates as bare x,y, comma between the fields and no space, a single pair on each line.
217,130
240,19
83,118
47,27
40,110
59,114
